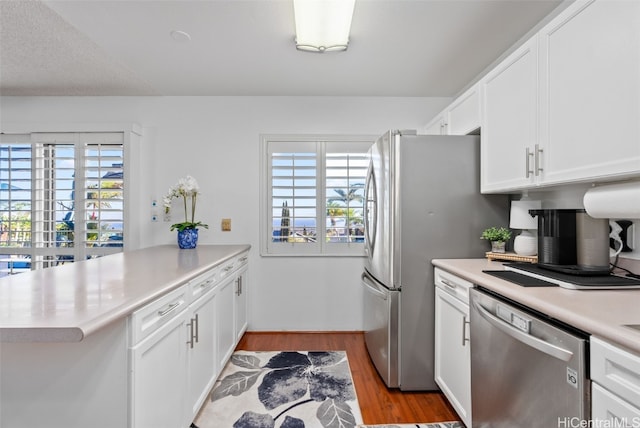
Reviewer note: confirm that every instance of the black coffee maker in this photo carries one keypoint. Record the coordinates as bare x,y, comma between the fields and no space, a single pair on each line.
572,242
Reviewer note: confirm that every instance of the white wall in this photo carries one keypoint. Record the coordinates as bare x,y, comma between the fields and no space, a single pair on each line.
216,140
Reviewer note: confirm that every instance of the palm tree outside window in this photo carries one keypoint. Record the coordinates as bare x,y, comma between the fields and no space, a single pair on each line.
313,199
61,198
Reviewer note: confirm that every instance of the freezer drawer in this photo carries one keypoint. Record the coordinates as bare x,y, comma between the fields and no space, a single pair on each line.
381,328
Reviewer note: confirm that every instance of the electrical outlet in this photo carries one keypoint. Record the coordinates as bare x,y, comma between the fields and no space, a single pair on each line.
226,224
626,236
630,236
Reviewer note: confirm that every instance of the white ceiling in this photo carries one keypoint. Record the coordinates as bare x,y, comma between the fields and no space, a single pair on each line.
246,47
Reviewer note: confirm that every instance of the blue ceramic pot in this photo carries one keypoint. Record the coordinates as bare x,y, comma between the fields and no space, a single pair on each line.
188,238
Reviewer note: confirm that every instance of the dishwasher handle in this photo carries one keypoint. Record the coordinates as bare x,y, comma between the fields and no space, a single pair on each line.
527,339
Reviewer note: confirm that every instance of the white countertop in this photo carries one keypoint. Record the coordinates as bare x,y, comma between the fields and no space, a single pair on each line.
66,303
602,313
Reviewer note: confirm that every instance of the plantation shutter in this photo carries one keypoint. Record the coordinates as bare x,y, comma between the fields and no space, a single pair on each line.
65,194
314,195
294,196
346,171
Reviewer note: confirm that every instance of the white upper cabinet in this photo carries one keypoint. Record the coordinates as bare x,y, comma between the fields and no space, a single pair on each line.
565,106
509,136
438,125
464,113
590,92
461,117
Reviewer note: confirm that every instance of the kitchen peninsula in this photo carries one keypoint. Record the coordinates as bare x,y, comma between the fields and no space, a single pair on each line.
103,342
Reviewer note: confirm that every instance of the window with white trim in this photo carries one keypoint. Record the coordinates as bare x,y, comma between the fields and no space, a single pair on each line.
61,198
313,194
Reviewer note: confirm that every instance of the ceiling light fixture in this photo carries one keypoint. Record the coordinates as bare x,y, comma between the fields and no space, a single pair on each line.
323,25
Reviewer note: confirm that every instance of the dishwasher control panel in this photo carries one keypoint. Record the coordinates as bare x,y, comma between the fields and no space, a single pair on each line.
516,320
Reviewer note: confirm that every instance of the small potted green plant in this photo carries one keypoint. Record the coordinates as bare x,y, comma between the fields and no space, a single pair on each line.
498,236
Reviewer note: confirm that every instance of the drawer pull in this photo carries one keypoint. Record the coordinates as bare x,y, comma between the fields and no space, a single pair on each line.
448,283
228,268
168,309
206,283
243,259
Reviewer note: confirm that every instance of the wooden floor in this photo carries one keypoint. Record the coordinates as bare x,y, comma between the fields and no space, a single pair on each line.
378,404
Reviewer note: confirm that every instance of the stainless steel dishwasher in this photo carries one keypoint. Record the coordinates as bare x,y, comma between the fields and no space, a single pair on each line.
527,370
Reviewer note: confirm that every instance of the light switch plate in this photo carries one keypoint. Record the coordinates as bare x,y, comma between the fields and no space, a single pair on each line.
226,224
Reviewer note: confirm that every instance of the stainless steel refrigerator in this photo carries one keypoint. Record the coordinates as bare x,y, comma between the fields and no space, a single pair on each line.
422,202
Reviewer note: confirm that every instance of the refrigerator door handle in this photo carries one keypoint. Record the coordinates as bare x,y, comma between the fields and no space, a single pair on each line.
372,287
370,210
527,339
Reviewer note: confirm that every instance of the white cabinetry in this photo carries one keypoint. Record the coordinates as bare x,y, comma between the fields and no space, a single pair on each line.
181,342
201,341
564,107
452,350
438,125
590,92
225,321
510,151
231,306
464,113
461,117
241,295
240,302
615,375
158,362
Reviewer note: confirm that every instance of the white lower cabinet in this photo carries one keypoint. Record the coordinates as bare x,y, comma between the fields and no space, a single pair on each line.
615,387
452,350
225,328
159,376
606,406
201,350
181,342
240,302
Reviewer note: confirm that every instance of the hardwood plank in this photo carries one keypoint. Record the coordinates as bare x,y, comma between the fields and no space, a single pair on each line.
378,404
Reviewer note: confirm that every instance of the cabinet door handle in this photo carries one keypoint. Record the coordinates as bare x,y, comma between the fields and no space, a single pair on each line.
528,155
196,320
168,309
538,160
239,286
465,339
190,341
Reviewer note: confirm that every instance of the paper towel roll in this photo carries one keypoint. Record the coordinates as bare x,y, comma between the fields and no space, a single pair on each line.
614,201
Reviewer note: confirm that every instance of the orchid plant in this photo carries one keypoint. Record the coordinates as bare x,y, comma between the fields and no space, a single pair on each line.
186,188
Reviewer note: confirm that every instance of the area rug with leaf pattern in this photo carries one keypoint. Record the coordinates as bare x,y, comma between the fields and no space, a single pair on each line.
283,390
